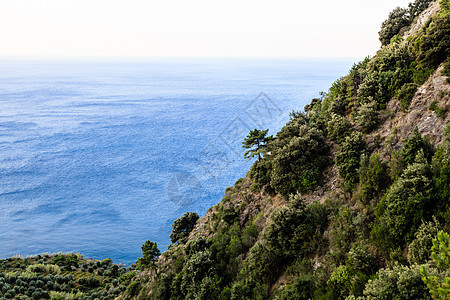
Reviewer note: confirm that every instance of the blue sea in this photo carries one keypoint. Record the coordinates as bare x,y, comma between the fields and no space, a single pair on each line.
98,157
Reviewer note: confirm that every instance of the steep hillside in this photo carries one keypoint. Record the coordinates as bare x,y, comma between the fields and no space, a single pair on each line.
347,198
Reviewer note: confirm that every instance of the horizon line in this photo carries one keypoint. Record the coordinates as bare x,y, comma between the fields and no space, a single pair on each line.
154,58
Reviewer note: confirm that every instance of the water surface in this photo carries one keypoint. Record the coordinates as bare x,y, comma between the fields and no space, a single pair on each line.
97,157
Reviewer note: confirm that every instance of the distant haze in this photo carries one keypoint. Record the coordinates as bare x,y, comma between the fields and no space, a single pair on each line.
193,28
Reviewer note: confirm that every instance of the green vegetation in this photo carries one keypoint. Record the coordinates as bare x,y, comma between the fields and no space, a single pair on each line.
397,20
439,284
400,19
258,139
150,253
339,204
182,226
60,276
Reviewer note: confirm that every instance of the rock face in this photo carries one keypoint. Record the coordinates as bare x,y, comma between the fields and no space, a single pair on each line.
432,10
429,124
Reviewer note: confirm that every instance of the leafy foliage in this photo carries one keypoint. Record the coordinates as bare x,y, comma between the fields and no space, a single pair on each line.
419,250
406,94
439,285
398,282
398,19
297,156
406,204
366,116
433,47
150,253
256,138
373,178
338,128
37,277
182,226
348,159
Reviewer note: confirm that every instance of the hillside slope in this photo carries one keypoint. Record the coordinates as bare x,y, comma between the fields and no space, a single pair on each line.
347,198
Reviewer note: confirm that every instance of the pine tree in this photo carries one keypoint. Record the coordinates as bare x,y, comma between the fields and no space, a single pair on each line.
256,138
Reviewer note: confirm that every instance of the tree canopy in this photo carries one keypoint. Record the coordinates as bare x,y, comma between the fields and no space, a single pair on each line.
256,141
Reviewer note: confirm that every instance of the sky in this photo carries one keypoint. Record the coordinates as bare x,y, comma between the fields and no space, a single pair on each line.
192,28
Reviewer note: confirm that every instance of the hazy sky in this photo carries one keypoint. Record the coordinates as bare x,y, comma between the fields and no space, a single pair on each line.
200,28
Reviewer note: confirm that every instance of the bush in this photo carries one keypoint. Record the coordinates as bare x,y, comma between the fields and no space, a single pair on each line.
182,226
133,288
439,285
412,146
446,70
301,288
445,6
398,282
398,18
440,112
298,157
441,178
373,178
433,47
44,268
338,128
293,230
366,116
419,250
349,156
406,94
387,72
407,202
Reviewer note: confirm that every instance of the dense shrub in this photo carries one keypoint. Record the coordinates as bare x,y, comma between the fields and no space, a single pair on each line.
182,226
445,6
446,70
349,156
338,127
439,282
302,288
373,178
293,229
406,94
398,282
398,19
433,47
366,116
419,250
437,109
133,288
344,230
298,157
411,147
441,178
407,202
44,268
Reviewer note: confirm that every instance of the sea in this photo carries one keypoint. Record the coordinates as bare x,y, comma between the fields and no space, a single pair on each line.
99,156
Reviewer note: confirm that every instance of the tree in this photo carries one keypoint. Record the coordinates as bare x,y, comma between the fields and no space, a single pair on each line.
439,285
408,201
397,19
256,138
417,7
349,157
397,282
150,253
182,226
445,6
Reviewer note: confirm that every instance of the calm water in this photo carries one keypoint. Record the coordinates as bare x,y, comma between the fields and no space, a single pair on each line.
99,157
